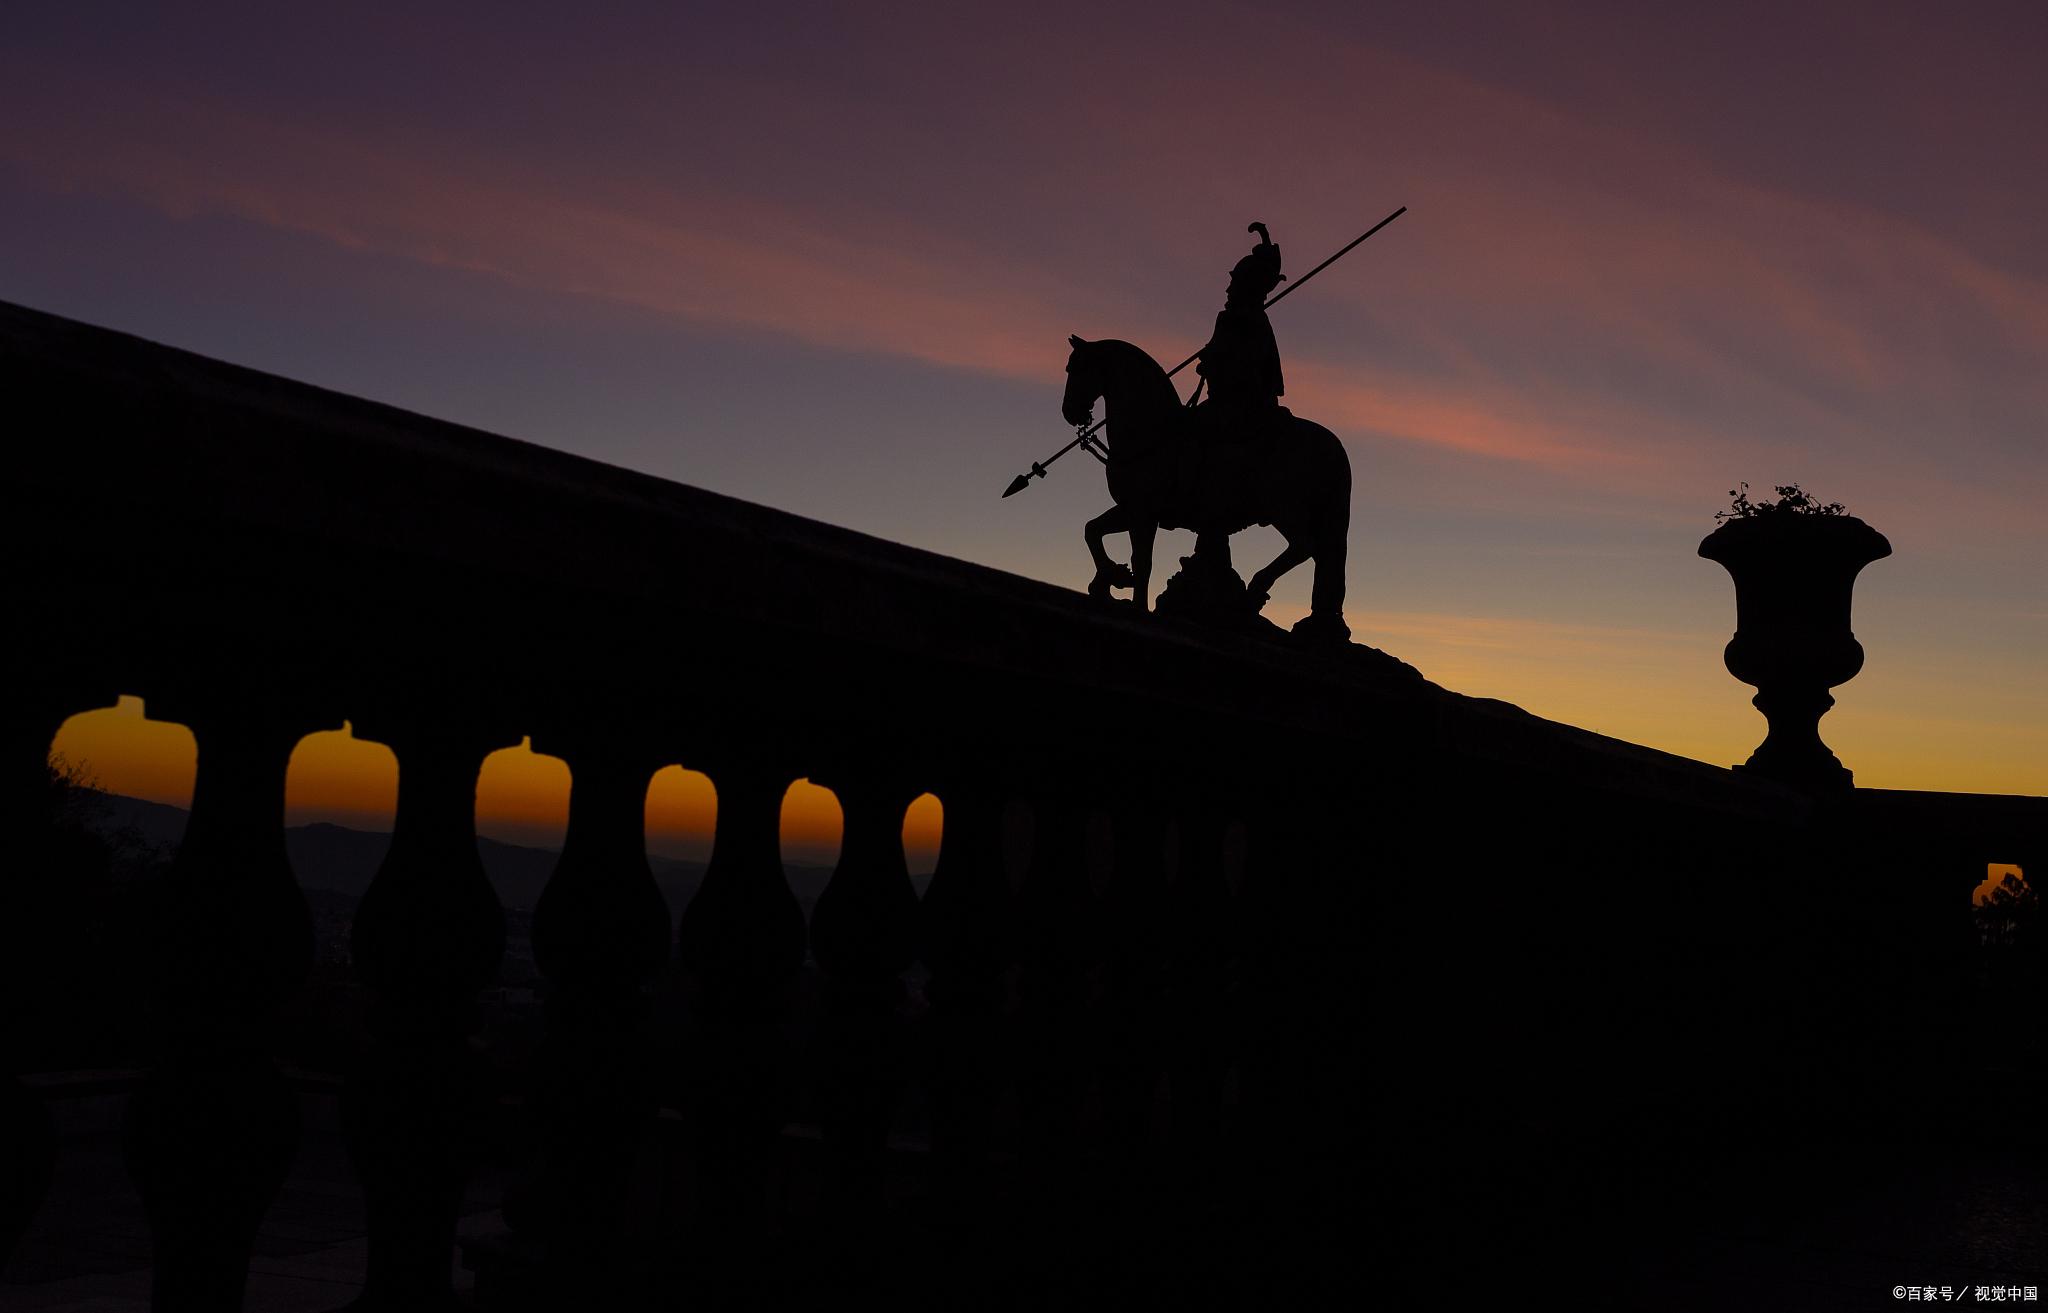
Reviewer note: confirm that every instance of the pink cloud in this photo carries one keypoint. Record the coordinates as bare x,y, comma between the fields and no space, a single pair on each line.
1551,266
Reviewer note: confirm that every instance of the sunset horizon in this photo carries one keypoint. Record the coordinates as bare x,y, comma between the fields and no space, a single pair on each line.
839,656
1614,297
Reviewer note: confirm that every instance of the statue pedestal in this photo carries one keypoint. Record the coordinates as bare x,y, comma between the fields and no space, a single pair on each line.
1208,591
1204,593
1206,588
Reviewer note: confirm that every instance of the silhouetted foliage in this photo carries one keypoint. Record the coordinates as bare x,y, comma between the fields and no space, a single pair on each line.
2010,916
80,906
77,809
1792,500
2012,986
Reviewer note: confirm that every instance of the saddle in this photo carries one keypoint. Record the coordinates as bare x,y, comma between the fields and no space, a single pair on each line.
1225,466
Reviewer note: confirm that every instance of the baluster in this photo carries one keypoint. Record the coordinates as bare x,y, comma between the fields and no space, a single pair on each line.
1055,912
30,903
1195,966
428,935
1134,1050
863,935
600,932
1278,1122
2032,859
1343,1010
212,1130
1272,920
964,938
740,943
1051,984
1192,917
1113,931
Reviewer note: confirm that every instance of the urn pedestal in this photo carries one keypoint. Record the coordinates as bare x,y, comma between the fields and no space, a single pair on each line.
1794,575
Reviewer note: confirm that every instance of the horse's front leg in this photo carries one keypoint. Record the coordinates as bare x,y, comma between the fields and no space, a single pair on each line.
1325,621
1141,561
1261,589
1108,574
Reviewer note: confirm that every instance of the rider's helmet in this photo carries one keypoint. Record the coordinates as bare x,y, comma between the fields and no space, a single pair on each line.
1258,273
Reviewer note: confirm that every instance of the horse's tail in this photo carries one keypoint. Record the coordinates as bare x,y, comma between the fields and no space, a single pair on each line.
1326,467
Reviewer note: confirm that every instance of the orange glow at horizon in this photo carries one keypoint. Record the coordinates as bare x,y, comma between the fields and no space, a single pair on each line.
343,780
922,827
1994,876
812,823
522,797
120,750
1617,290
682,813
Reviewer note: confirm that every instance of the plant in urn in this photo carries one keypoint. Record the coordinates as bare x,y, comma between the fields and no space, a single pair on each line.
1794,562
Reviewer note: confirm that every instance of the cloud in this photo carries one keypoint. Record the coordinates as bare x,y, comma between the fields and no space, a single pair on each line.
1583,301
1570,294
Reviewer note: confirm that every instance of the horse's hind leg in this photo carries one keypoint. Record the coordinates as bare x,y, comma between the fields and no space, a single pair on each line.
1326,601
1108,574
1261,587
1141,561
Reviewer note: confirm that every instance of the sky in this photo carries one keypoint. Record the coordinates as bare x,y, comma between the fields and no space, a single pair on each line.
826,258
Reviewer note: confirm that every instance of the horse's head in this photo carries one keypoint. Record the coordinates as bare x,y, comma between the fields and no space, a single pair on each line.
1138,399
1084,385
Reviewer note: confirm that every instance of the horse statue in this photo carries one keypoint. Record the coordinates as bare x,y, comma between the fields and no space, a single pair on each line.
1163,473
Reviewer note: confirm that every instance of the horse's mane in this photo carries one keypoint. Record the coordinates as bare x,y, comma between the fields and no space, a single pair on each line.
1131,362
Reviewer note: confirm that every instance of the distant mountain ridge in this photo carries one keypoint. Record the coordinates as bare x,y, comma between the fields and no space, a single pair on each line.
342,860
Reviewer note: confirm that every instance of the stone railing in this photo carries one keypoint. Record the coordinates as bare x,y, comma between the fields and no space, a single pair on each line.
1233,947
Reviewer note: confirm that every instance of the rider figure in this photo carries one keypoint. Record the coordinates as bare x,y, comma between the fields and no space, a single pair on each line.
1241,363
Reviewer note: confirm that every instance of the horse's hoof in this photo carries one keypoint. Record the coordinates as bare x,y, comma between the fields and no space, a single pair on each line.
1323,629
1116,576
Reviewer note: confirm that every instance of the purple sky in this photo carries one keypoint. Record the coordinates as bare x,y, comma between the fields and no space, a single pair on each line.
826,258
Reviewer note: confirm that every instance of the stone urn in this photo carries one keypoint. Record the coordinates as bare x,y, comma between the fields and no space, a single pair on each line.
1793,578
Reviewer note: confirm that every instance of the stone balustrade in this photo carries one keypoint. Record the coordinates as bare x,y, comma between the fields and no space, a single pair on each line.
1240,956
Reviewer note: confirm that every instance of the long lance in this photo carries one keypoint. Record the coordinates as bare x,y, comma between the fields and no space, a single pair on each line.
1085,438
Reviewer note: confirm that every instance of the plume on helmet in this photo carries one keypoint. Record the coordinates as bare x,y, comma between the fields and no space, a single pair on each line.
1258,273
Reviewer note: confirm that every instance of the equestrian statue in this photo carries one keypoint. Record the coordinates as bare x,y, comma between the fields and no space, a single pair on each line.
1215,466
